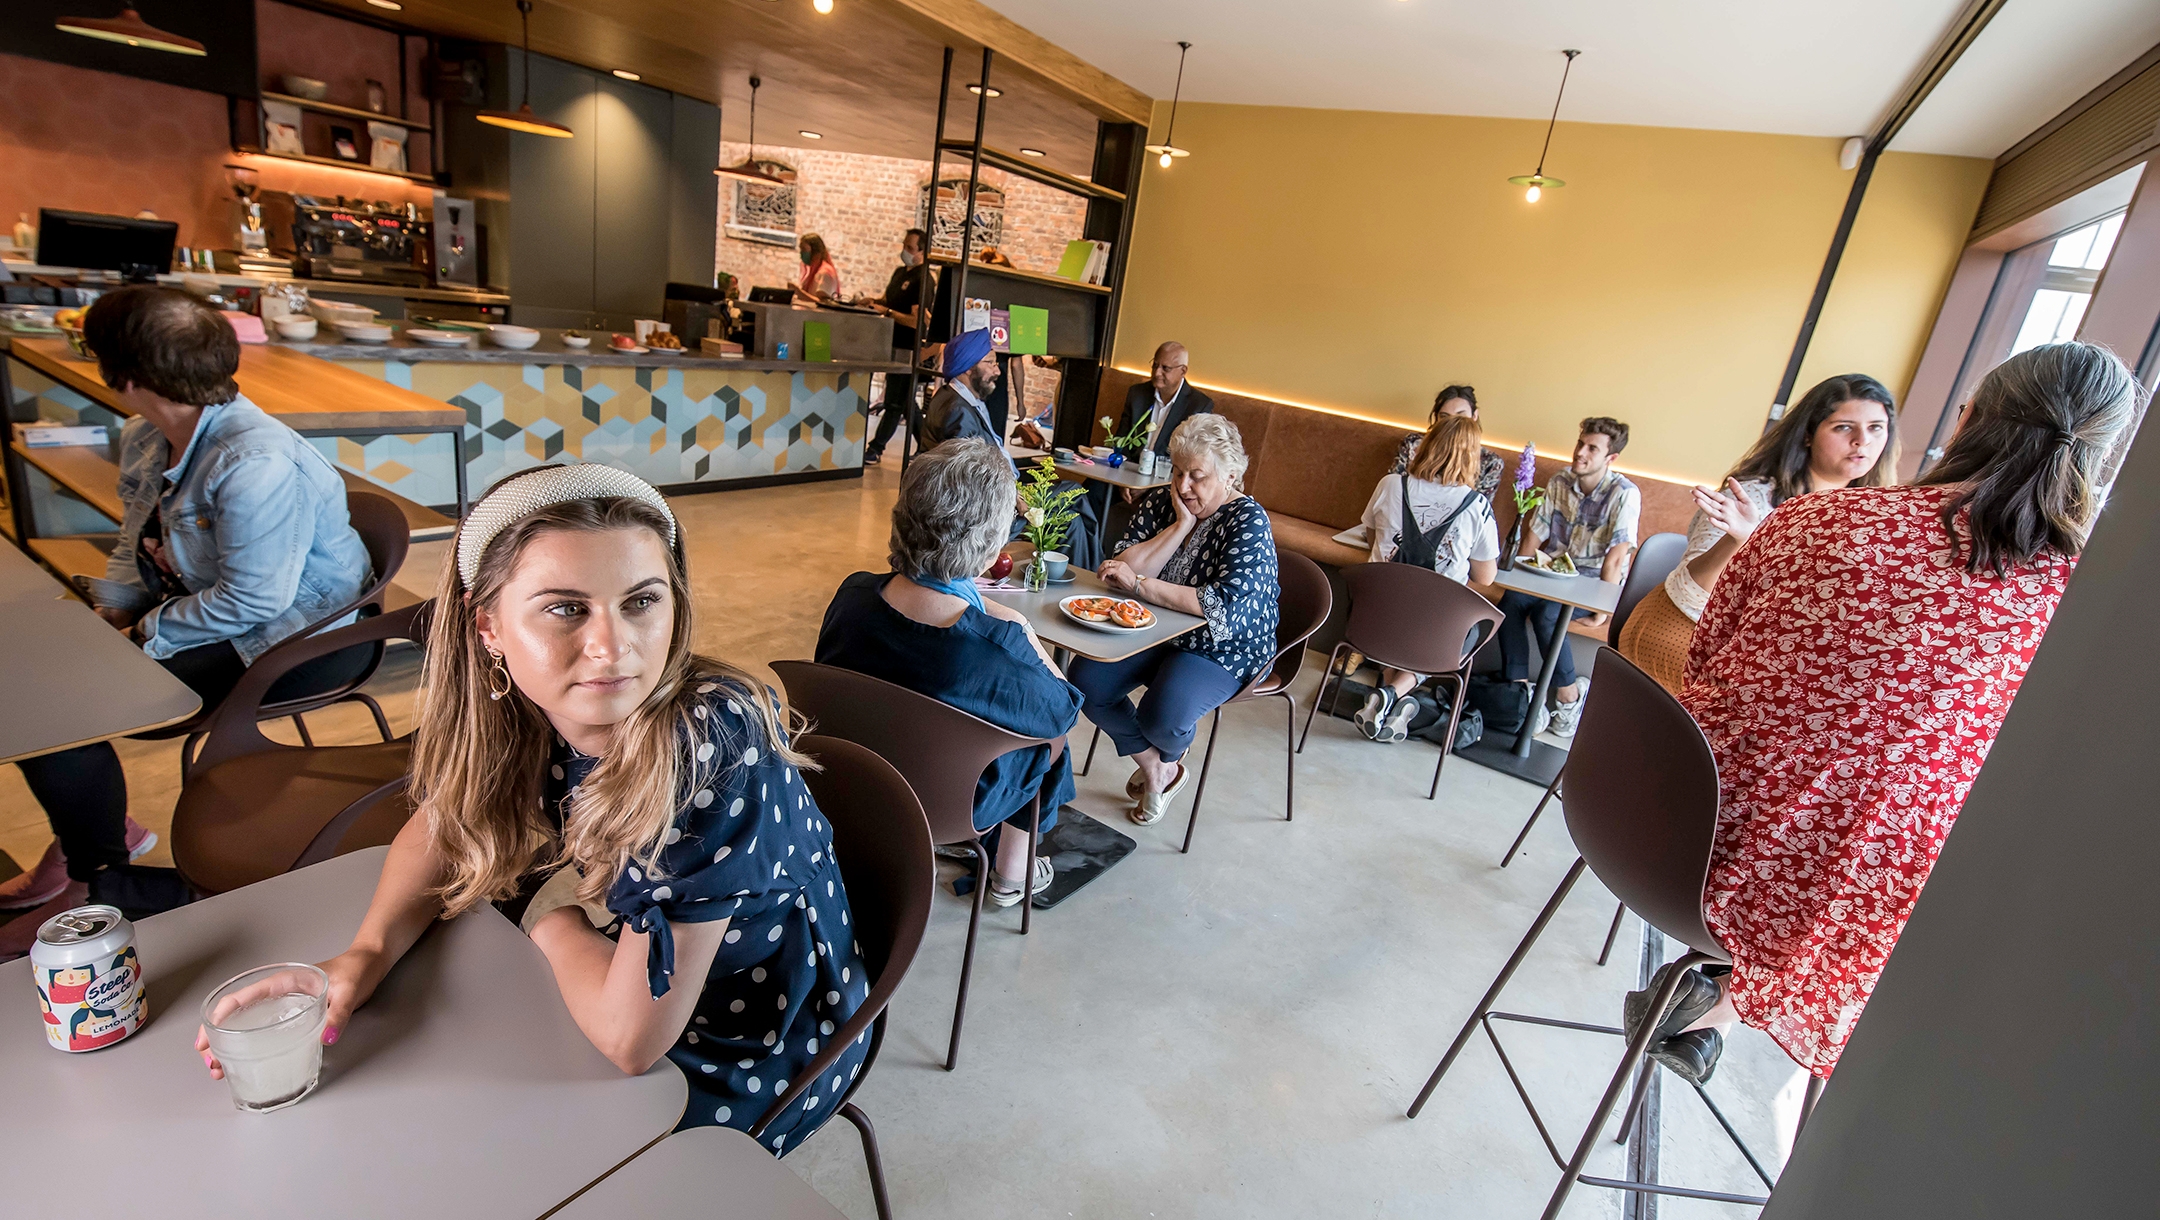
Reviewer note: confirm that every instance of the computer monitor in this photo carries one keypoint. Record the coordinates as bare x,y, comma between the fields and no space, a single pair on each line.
95,241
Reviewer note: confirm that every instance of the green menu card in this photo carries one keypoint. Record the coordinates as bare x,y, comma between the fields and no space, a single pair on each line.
817,341
1030,329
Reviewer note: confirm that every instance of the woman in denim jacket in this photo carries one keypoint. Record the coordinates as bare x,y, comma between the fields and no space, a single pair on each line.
236,535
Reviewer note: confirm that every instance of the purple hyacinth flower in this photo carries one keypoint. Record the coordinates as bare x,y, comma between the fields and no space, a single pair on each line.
1526,469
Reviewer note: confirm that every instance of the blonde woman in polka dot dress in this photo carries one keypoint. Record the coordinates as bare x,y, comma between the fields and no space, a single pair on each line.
635,806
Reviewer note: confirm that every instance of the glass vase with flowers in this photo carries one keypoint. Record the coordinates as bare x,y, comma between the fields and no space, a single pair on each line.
1528,495
1046,505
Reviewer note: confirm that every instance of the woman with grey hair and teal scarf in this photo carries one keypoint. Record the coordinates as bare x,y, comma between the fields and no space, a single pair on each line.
924,626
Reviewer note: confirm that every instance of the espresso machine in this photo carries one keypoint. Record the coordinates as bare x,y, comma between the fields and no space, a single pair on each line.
350,239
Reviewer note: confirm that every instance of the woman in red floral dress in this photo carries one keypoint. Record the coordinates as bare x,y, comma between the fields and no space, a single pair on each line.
1853,666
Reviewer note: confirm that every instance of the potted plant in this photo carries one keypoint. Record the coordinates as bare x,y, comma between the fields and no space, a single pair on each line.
1125,447
1047,507
1528,495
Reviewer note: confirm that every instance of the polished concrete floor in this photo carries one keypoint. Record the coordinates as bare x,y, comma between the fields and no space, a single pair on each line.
1230,1033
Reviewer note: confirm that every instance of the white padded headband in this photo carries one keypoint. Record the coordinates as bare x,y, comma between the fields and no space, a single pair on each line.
514,499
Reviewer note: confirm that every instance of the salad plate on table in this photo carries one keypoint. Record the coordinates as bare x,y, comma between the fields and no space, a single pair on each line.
1559,567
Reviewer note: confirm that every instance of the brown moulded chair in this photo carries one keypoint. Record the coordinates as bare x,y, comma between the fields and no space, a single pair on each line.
940,750
1642,808
882,842
1304,605
1412,618
387,537
254,809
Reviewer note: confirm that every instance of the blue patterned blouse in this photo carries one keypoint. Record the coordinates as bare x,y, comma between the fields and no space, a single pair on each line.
1229,561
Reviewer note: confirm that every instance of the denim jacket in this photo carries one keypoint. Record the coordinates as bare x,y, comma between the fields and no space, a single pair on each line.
254,523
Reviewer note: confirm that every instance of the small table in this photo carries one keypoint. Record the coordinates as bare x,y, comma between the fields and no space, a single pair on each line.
72,680
714,1173
1525,757
462,1089
1094,643
22,580
1116,476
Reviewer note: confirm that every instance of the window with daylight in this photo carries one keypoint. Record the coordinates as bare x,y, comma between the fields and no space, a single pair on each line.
2074,263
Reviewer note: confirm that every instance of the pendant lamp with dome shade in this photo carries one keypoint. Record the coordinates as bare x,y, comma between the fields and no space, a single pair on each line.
523,119
749,170
129,29
1536,181
1166,150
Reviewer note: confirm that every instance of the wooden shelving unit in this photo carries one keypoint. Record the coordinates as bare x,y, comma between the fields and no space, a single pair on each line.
1019,166
348,112
1015,273
336,163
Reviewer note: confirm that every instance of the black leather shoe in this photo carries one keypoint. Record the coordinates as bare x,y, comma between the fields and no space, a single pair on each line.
1694,996
1692,1056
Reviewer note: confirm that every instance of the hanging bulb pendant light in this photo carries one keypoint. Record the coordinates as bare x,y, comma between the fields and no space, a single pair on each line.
1537,182
1166,150
131,30
749,170
523,119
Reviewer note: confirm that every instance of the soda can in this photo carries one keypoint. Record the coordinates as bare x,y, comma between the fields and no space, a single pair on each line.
90,986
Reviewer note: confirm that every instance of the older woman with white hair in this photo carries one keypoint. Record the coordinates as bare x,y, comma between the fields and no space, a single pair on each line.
924,626
1202,546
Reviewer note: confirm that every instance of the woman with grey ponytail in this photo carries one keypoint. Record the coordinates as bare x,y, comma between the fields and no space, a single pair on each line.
1852,667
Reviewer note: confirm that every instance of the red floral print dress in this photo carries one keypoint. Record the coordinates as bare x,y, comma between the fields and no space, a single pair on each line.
1850,676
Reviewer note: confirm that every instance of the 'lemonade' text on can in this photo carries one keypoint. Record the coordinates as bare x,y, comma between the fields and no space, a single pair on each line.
90,985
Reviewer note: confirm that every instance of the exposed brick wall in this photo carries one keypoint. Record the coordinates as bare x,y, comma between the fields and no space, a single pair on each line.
861,205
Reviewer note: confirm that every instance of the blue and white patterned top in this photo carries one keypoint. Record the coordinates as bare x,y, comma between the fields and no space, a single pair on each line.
751,847
1229,561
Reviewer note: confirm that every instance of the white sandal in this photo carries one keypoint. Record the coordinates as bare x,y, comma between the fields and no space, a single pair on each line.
1153,805
1005,893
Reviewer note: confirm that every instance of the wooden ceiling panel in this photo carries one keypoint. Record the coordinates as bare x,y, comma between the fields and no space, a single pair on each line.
864,76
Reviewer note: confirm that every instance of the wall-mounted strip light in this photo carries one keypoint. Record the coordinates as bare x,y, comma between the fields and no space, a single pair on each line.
523,119
1166,150
130,29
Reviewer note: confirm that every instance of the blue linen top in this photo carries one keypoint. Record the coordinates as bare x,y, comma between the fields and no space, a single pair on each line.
1229,561
749,846
254,522
983,666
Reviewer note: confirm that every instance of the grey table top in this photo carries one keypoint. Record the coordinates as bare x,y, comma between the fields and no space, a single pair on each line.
1117,476
22,579
329,345
1585,592
70,679
713,1173
462,1089
1094,643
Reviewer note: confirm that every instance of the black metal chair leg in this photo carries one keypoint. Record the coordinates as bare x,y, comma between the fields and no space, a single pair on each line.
1636,1046
1326,676
1619,913
1551,790
1094,741
967,960
1447,744
1641,1099
1492,993
1289,757
301,725
1027,879
1206,760
871,1159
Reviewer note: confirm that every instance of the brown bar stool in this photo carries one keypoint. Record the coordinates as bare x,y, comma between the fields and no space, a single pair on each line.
1303,606
253,809
1412,618
882,842
941,751
1642,809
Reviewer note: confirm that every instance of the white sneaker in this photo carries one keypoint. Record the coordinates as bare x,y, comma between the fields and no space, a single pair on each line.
1540,717
1396,725
1005,894
1566,716
1371,717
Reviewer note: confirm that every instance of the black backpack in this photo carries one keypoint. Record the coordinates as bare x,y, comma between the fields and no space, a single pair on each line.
1421,548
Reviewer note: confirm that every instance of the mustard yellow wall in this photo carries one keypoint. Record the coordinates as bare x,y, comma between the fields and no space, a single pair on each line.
1359,260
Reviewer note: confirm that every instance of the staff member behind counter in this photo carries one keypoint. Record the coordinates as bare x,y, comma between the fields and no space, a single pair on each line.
907,299
820,283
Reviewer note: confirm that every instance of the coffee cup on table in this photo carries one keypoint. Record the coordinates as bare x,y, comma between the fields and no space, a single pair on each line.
1054,564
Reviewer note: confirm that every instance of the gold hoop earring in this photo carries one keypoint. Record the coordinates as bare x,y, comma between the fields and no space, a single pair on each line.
498,673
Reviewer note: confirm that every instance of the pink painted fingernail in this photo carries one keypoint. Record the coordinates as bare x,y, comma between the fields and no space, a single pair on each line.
329,1036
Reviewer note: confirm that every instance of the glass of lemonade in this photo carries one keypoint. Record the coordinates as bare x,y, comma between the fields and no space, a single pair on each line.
265,1027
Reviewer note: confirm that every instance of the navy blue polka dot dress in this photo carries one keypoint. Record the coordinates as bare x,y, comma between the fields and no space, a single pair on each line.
749,847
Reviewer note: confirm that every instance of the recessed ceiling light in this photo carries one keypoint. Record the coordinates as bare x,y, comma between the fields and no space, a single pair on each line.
811,135
392,5
986,92
823,6
1033,152
626,75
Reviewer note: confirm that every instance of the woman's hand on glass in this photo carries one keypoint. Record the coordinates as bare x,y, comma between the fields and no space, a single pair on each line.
352,981
1730,510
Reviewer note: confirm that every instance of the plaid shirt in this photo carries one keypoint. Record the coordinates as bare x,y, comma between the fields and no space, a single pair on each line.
1587,526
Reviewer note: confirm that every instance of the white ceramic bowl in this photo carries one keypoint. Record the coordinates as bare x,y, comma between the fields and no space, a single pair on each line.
335,312
440,338
306,86
516,338
364,332
577,341
299,330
